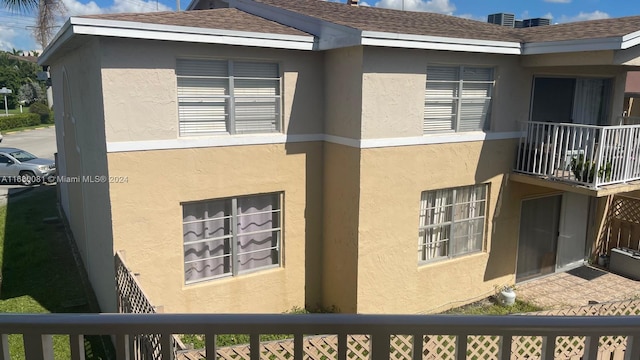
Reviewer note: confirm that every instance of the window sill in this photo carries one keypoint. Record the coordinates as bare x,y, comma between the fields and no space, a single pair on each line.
448,261
229,278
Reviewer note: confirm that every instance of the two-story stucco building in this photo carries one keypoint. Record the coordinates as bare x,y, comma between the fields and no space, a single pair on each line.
266,154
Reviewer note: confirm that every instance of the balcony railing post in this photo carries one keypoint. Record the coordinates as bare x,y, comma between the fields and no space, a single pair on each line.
418,341
38,347
548,347
379,346
123,347
632,351
166,346
342,346
591,344
505,348
461,347
4,347
76,343
599,158
298,346
254,346
210,346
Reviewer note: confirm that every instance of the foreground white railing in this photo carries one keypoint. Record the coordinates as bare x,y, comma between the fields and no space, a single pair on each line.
37,330
589,155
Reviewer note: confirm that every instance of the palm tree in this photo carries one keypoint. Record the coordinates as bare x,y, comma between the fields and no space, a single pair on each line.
46,11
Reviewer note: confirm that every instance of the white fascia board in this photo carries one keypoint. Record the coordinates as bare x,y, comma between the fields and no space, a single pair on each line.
128,29
631,40
376,38
63,35
550,47
330,35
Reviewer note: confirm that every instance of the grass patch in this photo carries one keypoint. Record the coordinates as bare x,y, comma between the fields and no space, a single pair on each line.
25,110
492,307
38,270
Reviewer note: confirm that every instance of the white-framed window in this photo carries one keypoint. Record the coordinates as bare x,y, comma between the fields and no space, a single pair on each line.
227,97
457,98
452,222
228,237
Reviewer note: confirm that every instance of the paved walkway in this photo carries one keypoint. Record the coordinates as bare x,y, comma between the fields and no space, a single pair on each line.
578,287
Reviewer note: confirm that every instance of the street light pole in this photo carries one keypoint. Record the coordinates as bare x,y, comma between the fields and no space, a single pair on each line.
5,91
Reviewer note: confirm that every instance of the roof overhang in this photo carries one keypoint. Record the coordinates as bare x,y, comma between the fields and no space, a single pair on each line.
374,38
136,30
610,43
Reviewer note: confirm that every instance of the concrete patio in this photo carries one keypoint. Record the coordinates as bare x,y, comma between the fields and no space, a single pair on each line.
578,287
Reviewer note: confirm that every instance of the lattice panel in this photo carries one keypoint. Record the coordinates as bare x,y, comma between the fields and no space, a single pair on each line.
622,308
321,347
612,343
526,347
358,347
569,346
238,352
439,347
483,347
276,350
401,347
627,209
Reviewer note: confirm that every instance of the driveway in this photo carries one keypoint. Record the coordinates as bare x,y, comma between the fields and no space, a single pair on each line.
39,142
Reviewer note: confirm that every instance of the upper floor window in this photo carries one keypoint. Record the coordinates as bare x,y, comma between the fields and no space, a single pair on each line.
226,96
451,222
457,98
227,237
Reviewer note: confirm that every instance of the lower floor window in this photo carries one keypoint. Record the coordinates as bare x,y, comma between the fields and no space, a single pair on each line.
227,237
451,222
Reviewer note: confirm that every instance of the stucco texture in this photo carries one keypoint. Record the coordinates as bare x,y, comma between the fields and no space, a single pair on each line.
390,280
140,86
147,222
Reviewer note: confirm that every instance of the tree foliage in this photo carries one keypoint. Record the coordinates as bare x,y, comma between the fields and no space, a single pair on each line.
15,73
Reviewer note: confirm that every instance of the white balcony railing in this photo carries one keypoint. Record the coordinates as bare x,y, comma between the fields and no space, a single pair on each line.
588,155
500,335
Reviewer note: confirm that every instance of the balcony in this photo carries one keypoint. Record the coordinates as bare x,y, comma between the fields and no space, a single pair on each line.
381,336
586,156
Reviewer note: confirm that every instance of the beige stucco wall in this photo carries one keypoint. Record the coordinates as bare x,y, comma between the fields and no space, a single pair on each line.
343,91
394,87
140,87
147,222
340,227
84,151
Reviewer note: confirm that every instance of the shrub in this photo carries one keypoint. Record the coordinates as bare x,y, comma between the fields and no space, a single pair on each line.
19,120
42,110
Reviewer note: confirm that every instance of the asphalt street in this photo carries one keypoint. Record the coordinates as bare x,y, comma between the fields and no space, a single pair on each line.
39,142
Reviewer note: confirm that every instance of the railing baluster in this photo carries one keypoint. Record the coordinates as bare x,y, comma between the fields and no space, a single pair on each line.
210,346
633,348
505,347
38,347
4,347
123,347
76,343
254,346
461,347
591,344
379,346
342,346
166,346
418,341
548,347
298,346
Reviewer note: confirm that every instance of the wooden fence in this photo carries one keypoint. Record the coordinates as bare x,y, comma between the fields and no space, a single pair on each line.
622,225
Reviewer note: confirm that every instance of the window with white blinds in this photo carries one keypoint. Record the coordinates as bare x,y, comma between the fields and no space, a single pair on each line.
227,97
457,98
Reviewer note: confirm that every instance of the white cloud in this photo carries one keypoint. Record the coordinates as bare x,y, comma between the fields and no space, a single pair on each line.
75,7
7,35
558,1
548,16
436,6
582,16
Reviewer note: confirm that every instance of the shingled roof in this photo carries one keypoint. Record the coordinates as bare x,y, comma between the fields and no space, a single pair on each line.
430,24
226,19
368,18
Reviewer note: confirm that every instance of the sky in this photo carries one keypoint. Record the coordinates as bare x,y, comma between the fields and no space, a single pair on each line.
15,28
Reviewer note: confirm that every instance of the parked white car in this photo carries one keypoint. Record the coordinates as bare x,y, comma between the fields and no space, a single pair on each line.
19,166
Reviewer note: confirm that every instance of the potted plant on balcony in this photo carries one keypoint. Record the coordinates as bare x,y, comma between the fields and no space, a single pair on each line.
585,170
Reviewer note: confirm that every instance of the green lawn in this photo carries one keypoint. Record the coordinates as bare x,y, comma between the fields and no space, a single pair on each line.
491,307
38,271
25,109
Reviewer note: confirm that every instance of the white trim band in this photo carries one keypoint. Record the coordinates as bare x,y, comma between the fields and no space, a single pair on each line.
265,139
